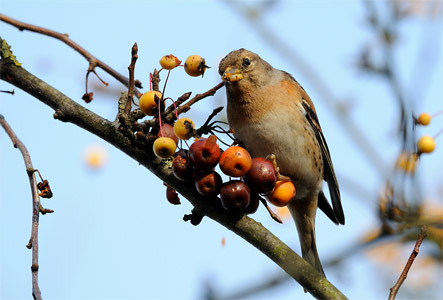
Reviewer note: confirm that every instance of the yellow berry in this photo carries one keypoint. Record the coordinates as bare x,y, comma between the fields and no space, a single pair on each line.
283,192
426,144
195,65
184,128
164,147
169,62
147,102
424,119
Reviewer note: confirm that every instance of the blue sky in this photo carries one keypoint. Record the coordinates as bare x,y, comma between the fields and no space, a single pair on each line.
113,234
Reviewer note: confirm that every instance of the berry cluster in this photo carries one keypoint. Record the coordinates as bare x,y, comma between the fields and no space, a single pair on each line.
167,138
249,179
253,177
407,161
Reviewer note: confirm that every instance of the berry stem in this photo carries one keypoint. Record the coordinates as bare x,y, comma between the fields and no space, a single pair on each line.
160,117
438,134
175,106
437,114
99,78
166,81
86,82
175,109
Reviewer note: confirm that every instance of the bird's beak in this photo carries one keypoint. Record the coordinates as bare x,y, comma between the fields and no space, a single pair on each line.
232,75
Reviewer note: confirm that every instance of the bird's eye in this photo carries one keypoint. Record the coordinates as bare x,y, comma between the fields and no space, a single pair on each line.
246,62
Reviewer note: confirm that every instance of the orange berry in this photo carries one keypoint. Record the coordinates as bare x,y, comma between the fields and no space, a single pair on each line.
283,192
235,161
164,147
147,102
426,144
424,119
169,62
195,65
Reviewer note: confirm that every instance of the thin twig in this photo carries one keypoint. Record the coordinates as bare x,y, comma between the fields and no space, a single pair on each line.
394,290
187,106
7,92
205,128
65,38
36,206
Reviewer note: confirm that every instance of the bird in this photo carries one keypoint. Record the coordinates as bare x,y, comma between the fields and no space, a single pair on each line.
270,113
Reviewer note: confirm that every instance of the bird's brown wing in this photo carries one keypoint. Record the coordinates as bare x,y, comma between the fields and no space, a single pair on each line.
328,169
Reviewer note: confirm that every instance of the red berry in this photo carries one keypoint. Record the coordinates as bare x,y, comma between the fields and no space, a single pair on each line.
172,196
253,204
183,169
235,195
261,175
208,184
205,153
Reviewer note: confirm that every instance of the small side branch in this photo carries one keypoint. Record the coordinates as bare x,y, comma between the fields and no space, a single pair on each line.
36,206
131,86
394,290
187,106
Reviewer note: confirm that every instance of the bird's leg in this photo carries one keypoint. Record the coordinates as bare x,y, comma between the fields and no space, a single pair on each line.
273,159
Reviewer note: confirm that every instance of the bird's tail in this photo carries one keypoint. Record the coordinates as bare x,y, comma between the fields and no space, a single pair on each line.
303,213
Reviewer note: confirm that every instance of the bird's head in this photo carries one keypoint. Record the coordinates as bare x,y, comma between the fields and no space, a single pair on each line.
243,65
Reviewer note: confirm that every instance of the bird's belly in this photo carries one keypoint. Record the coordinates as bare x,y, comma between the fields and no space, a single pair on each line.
293,144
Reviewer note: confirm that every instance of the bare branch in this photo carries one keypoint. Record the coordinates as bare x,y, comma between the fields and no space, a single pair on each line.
36,206
394,290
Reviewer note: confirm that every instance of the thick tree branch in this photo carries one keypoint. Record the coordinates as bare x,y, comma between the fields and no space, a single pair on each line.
69,111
